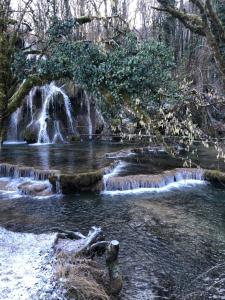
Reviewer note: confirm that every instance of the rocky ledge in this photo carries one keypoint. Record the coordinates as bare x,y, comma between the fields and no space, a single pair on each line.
83,182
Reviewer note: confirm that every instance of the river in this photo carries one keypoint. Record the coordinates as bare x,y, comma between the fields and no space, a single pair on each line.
172,241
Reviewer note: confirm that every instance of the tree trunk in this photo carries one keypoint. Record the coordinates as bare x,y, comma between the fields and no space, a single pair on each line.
115,277
3,127
3,115
5,80
76,244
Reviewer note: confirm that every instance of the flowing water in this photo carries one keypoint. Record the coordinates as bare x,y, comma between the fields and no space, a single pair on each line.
48,96
172,242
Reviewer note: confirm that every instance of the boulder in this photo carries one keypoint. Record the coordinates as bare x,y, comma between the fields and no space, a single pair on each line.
214,176
35,189
82,182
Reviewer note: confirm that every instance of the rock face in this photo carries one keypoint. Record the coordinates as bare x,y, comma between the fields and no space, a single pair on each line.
56,113
89,121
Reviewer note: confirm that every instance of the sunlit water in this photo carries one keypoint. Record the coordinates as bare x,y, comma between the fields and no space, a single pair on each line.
172,243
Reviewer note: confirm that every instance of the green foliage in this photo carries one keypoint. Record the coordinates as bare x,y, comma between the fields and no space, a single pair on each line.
220,8
133,69
137,69
61,28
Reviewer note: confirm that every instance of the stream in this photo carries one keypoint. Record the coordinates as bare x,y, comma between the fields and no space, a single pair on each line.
172,241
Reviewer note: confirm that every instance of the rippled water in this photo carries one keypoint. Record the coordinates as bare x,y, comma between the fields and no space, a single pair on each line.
172,243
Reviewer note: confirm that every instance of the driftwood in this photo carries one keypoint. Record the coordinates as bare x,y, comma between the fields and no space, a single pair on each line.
76,244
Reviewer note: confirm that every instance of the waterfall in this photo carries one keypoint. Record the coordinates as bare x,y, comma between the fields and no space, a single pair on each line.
88,105
46,116
42,120
28,180
48,93
58,134
112,171
16,171
13,134
29,99
146,183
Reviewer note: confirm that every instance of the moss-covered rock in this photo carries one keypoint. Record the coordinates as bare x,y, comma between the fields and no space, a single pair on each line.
215,176
83,182
30,136
74,138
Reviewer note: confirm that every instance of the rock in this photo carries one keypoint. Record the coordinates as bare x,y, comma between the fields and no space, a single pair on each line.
215,176
83,182
74,139
30,136
35,189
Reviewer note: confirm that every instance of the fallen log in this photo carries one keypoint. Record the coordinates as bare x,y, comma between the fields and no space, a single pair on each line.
74,244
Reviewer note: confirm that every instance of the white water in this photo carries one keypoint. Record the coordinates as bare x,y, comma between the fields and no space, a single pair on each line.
22,186
189,183
115,171
114,184
58,134
26,266
88,105
30,112
14,143
48,93
13,126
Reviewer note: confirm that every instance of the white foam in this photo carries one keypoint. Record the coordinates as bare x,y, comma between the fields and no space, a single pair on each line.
14,143
174,185
11,188
40,144
115,171
26,265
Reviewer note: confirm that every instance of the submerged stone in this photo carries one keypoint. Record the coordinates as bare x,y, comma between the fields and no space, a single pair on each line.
35,189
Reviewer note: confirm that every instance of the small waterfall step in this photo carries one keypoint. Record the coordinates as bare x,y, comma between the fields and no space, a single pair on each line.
17,171
124,183
28,180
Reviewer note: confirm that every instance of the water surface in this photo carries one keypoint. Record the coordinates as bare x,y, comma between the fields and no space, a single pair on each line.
172,243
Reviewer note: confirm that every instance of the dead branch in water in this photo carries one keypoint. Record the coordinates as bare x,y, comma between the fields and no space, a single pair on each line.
75,245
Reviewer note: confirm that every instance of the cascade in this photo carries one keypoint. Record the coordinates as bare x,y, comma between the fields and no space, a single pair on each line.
43,118
13,134
88,105
29,99
114,183
27,180
46,116
112,172
48,93
16,171
58,134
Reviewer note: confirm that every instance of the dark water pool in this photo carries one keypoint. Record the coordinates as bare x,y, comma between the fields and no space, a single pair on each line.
88,156
168,240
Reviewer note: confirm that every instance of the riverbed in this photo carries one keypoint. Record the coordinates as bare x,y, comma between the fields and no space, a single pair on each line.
172,241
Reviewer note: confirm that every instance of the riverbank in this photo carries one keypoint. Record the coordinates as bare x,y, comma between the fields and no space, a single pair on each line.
26,266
